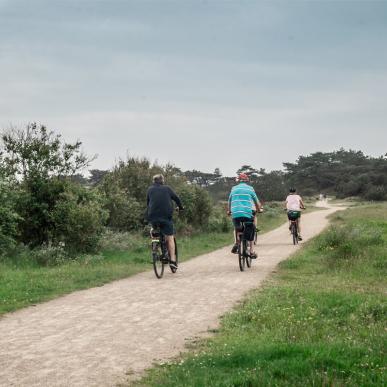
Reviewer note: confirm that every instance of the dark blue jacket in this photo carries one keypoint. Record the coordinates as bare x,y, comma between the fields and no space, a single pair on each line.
159,202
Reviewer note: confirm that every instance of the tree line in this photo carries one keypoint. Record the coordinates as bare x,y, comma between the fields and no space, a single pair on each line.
46,201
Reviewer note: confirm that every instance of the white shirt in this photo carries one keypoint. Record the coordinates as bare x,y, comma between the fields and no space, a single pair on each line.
293,203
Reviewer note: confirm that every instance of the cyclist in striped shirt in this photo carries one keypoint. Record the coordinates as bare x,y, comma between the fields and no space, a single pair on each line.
241,203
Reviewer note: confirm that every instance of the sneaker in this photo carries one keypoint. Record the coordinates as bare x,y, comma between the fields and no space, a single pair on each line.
234,249
299,238
173,264
253,255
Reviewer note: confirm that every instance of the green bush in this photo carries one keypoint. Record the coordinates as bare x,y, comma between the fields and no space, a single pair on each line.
377,193
78,219
48,255
125,190
120,241
197,206
219,221
8,217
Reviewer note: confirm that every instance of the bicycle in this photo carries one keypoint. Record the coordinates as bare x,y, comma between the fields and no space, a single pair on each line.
293,217
244,257
160,254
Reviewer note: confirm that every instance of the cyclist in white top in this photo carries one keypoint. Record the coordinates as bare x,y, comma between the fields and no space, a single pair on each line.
294,204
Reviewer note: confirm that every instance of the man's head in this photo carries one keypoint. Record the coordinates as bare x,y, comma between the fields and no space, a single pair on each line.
292,190
158,179
242,177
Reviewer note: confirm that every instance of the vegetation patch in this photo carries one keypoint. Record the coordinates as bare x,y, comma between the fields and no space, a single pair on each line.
320,321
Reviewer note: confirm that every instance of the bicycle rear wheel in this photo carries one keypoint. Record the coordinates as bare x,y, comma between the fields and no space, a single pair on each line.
241,257
246,253
158,264
294,234
174,269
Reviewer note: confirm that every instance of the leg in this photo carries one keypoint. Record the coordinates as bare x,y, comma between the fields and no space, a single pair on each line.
171,247
236,223
299,229
253,254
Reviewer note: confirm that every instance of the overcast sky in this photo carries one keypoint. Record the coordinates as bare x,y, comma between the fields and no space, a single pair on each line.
201,84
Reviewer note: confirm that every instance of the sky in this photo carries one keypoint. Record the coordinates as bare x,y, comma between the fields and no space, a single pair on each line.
199,84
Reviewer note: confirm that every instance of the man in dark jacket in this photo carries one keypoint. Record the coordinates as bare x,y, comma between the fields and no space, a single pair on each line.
160,209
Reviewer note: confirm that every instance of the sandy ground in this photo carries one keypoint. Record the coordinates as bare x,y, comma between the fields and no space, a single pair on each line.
97,337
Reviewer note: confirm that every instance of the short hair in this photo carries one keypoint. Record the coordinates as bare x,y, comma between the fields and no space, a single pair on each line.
158,179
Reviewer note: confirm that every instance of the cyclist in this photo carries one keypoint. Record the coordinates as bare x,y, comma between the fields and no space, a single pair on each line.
160,209
293,206
241,203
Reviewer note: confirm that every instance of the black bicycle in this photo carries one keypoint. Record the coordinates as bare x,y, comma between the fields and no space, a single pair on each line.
293,216
160,254
243,239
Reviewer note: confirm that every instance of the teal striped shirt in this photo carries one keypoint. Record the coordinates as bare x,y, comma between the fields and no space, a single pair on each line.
242,198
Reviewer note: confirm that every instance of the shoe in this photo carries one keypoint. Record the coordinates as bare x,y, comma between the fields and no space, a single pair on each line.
253,255
234,249
173,264
299,238
290,228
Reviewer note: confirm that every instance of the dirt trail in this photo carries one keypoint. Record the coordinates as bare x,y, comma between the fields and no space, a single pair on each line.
94,337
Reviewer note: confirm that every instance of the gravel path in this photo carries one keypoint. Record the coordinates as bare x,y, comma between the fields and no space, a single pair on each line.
95,337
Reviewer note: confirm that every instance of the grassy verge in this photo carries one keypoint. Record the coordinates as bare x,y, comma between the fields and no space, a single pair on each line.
24,282
320,321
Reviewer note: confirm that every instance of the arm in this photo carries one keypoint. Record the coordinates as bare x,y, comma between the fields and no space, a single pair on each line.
257,203
302,205
229,205
176,199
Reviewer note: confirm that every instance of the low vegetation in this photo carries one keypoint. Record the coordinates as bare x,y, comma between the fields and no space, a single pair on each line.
320,321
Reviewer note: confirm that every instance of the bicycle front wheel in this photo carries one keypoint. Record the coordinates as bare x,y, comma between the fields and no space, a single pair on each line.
174,269
158,264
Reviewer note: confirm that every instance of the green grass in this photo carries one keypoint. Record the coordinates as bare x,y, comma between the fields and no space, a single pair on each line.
24,282
320,321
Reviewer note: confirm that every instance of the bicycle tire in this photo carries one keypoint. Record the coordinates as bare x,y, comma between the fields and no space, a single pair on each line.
241,257
294,234
174,269
158,264
246,253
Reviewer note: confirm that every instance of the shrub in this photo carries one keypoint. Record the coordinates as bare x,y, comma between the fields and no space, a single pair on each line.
120,241
219,221
8,217
197,206
48,255
377,193
78,219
